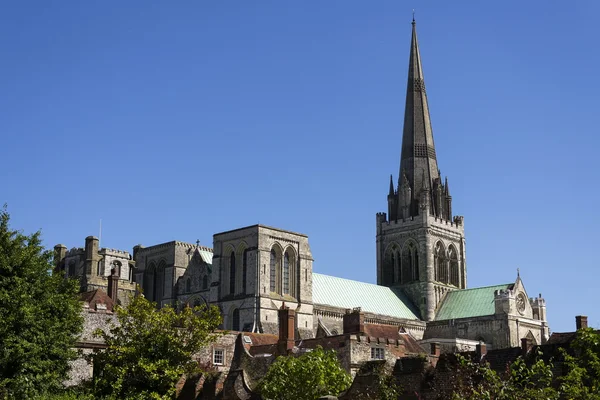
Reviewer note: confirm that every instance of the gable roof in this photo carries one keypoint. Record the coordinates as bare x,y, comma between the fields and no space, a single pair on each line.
469,303
97,296
345,293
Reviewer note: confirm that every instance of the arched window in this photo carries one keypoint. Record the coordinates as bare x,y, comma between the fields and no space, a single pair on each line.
416,265
232,273
72,268
453,260
273,270
149,281
244,270
188,285
394,264
286,274
159,283
441,269
407,261
235,320
205,282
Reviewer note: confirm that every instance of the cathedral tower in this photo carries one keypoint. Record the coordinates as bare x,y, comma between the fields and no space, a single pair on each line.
420,245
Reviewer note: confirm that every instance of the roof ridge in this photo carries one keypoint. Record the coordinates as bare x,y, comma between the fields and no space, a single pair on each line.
482,287
352,280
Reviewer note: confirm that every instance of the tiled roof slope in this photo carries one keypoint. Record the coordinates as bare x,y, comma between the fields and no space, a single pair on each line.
469,303
344,293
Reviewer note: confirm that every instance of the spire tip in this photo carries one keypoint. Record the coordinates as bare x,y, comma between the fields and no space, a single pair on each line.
413,20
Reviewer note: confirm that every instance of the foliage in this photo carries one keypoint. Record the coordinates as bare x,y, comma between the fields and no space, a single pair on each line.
150,349
475,381
40,314
307,377
582,380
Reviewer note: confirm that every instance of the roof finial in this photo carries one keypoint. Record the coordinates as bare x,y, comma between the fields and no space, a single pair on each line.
413,21
198,242
518,273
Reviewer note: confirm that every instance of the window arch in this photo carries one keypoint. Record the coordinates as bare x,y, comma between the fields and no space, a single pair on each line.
159,282
453,261
232,273
72,268
410,262
188,285
244,269
205,282
235,320
286,273
149,281
441,268
289,272
392,273
273,270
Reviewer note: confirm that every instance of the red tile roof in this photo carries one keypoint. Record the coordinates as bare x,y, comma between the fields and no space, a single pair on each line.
98,296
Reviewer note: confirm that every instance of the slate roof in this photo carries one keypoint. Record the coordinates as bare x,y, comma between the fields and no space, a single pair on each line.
469,303
97,296
345,293
206,255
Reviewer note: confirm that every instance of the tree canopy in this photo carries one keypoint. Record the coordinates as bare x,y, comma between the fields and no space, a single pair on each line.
307,377
150,349
40,316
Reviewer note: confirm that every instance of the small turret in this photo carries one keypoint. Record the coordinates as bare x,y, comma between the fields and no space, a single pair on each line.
392,201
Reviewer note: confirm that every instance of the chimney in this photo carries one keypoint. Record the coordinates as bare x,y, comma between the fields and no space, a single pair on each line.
435,349
287,327
354,321
113,285
481,350
526,345
581,322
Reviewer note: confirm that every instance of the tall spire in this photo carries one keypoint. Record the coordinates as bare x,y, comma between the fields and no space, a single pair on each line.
418,160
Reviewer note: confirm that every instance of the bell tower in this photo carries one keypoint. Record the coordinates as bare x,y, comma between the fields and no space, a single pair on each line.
420,244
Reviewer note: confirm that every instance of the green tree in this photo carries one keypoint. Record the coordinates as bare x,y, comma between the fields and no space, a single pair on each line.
582,379
150,349
40,316
474,381
307,377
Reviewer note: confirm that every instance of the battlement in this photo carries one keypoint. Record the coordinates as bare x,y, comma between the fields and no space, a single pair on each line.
115,253
75,251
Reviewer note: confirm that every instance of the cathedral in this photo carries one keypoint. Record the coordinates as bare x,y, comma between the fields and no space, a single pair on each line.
252,272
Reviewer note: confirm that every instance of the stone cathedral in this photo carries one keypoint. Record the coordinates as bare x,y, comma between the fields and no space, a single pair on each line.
253,271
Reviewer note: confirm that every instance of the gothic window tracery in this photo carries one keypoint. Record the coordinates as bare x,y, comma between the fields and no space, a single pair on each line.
453,261
244,270
235,320
232,273
441,267
286,274
273,270
410,262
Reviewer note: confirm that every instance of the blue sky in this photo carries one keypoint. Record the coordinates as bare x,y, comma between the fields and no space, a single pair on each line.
177,120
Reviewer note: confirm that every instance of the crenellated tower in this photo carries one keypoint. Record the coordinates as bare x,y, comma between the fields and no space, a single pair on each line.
420,244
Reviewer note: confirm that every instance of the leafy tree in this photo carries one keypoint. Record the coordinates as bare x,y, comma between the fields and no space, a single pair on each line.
582,379
307,377
150,349
474,381
40,316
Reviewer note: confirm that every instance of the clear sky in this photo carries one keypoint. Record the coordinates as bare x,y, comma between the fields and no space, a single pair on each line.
178,120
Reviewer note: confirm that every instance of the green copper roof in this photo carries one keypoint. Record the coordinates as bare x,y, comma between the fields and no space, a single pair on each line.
469,303
344,293
206,256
